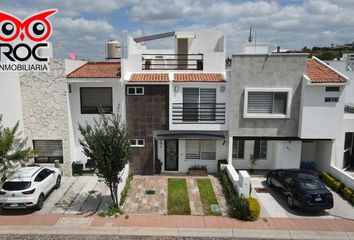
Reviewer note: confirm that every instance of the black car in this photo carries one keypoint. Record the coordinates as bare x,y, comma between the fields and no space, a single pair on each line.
302,188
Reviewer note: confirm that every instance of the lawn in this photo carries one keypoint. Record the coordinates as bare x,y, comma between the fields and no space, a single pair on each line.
207,196
178,200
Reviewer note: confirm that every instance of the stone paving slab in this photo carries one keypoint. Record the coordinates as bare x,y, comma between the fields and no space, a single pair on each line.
195,202
105,202
94,198
219,195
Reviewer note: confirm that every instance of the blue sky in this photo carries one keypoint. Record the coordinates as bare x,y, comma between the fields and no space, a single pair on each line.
84,26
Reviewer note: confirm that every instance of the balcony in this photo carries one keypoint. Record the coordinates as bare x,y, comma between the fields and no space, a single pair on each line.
172,62
198,113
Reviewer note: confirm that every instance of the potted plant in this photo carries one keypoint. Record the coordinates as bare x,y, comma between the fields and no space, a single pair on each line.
253,162
147,63
198,170
158,165
199,64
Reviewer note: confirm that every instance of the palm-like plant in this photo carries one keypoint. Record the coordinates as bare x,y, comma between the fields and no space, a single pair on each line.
13,150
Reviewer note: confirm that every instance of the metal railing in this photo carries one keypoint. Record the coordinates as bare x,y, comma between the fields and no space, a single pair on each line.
172,61
198,113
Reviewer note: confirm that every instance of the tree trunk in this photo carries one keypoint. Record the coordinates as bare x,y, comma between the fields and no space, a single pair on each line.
113,190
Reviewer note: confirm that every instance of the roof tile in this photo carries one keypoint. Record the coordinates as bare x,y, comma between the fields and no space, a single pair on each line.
149,77
320,73
199,77
97,70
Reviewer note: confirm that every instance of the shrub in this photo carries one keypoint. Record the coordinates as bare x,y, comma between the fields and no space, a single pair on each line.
347,193
223,161
331,181
352,200
255,209
198,167
239,207
124,193
112,212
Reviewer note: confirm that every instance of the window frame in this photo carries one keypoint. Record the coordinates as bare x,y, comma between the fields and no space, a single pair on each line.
237,153
267,115
200,150
329,99
110,111
260,147
50,159
332,89
137,142
135,91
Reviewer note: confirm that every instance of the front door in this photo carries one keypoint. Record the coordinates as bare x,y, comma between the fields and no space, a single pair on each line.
171,155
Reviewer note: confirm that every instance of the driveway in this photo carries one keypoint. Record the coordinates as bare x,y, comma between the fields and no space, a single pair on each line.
76,195
273,204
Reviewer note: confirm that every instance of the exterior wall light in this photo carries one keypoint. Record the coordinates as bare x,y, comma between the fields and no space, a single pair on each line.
222,89
176,88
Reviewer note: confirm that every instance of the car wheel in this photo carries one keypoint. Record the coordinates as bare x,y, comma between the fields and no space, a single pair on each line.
40,202
290,202
269,182
58,182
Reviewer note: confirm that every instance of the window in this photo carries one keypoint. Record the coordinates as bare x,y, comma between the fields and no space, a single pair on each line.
93,98
48,150
267,102
200,149
332,89
137,142
135,90
238,147
331,99
199,104
260,149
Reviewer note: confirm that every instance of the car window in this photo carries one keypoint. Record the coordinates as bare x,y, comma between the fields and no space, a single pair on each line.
16,186
289,180
47,172
310,184
41,176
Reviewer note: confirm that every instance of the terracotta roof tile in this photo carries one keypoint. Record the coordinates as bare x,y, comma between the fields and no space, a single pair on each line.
320,73
199,77
149,77
97,70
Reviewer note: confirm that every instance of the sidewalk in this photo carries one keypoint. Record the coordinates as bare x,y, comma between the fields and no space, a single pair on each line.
177,226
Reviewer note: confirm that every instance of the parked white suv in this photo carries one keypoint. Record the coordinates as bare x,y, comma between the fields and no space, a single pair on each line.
28,187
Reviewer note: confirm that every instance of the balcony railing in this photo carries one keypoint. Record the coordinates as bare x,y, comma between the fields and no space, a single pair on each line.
172,62
198,113
349,109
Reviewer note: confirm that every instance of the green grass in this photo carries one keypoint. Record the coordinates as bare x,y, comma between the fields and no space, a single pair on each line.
207,196
178,200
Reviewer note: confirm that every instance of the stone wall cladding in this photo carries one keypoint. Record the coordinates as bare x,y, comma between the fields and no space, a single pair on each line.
144,115
45,108
265,71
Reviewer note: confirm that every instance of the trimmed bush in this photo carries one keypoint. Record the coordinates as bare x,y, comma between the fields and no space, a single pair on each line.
331,181
352,200
255,209
347,193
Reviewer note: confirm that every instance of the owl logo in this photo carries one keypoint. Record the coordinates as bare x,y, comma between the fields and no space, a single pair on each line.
36,27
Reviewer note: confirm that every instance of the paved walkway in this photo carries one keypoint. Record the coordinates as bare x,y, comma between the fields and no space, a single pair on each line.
158,225
139,202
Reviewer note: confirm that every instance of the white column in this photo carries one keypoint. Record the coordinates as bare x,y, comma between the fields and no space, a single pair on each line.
229,155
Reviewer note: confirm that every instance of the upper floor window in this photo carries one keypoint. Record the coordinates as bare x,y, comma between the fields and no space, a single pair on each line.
135,90
260,149
238,148
199,104
48,150
95,98
267,103
332,89
137,142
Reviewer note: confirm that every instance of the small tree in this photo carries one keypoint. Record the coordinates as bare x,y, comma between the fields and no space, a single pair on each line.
253,161
13,151
107,143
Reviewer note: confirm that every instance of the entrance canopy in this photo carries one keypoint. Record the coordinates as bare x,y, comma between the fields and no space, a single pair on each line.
166,136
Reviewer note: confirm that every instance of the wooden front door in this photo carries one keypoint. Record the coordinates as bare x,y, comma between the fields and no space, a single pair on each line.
171,155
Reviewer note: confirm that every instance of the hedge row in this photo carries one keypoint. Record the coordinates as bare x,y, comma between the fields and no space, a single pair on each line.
339,187
242,208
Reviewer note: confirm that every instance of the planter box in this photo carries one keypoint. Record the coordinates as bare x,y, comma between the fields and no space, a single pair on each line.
199,172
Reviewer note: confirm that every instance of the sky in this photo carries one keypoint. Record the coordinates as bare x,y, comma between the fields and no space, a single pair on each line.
83,26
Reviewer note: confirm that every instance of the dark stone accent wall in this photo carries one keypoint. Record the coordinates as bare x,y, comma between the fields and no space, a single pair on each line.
144,115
